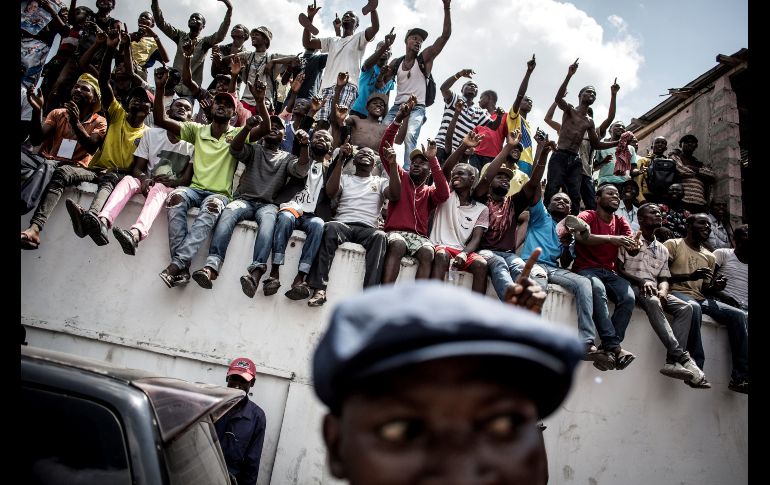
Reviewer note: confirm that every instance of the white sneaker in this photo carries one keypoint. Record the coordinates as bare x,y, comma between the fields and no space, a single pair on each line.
677,371
697,373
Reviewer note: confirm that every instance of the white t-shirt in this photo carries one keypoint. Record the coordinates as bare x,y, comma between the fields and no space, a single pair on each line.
411,82
167,100
164,157
307,199
345,55
453,223
361,199
737,274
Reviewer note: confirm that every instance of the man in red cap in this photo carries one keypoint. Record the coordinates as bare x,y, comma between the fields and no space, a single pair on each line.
241,431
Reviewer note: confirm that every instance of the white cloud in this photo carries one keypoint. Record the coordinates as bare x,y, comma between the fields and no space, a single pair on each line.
495,38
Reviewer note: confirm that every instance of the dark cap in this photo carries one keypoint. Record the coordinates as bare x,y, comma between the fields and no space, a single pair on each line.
219,77
376,95
390,327
276,120
688,137
228,96
140,91
506,170
422,33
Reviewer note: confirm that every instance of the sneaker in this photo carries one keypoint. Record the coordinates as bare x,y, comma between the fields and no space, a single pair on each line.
126,240
677,371
699,383
741,385
204,277
697,373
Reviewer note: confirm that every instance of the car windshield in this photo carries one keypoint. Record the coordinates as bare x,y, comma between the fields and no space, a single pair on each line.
195,457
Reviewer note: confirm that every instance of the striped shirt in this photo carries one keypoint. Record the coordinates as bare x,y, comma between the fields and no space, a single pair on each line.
649,264
470,118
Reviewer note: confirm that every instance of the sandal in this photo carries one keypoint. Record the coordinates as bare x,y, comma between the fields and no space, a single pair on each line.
270,286
298,292
28,243
318,299
249,285
76,216
203,278
180,279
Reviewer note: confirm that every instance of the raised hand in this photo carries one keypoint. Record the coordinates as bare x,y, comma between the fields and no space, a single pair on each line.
431,150
341,113
465,73
403,111
573,67
316,103
389,154
189,46
391,37
446,3
312,10
161,78
235,65
216,54
342,78
525,292
513,137
73,112
35,100
101,37
296,84
472,139
346,150
459,105
253,121
615,87
306,21
258,90
369,7
336,22
302,137
531,64
113,39
499,111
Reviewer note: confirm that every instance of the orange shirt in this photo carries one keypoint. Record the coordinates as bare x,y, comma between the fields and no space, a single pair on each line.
63,130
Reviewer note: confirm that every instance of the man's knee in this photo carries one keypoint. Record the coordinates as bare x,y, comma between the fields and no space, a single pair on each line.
424,255
213,206
284,219
478,267
396,248
175,200
441,258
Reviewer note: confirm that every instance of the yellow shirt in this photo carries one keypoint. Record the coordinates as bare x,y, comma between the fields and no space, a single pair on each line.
642,164
143,49
120,142
683,259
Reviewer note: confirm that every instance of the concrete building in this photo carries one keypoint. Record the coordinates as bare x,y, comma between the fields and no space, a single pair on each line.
713,107
634,427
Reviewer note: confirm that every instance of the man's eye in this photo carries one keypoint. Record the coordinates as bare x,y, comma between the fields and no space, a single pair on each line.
399,431
504,427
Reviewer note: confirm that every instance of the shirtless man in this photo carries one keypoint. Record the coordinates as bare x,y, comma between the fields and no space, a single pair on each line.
565,166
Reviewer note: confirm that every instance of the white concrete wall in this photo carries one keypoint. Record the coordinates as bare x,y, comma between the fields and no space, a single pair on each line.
632,427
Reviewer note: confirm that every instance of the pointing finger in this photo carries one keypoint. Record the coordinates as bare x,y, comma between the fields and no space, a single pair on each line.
528,266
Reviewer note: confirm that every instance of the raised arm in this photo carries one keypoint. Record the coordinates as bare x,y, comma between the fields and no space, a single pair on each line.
372,30
187,52
372,60
471,140
393,193
309,41
146,31
343,157
602,130
220,34
168,29
560,102
441,194
56,23
530,189
258,92
596,144
158,110
111,43
434,50
38,131
449,136
446,86
482,188
524,84
549,118
84,63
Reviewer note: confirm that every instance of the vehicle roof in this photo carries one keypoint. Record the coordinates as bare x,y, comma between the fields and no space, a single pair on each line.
177,403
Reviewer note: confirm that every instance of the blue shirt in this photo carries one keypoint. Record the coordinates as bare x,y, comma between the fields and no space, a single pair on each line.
366,83
241,433
541,231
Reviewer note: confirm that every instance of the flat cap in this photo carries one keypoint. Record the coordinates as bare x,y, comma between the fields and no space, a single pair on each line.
386,328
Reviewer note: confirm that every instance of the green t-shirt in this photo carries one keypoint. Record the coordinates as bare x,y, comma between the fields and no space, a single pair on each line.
213,166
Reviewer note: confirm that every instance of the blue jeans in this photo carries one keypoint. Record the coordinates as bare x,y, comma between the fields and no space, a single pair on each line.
236,211
606,283
737,322
505,268
417,118
309,224
183,243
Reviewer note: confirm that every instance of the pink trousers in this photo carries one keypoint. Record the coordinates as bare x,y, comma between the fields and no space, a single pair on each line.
125,189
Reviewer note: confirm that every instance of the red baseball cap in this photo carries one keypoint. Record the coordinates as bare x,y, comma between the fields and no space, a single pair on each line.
243,367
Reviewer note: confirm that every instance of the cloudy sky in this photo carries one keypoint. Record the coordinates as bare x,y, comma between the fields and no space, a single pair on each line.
650,45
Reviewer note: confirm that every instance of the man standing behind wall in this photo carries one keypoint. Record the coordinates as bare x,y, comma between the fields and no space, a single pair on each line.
412,72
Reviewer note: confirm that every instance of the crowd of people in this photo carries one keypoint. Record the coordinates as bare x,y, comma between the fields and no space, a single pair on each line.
316,132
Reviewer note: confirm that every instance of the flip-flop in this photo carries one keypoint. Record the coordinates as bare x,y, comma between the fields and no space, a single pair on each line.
28,243
270,286
305,22
249,285
171,281
299,292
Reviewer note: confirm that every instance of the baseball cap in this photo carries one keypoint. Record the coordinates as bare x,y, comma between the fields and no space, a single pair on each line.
276,120
375,95
243,367
417,152
505,169
390,327
229,96
140,91
219,77
422,33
